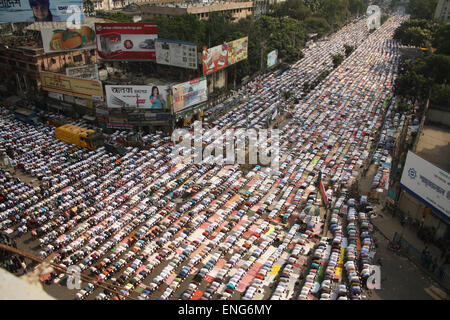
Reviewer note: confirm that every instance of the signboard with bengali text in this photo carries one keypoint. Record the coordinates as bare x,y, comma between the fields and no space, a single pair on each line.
190,93
428,183
88,89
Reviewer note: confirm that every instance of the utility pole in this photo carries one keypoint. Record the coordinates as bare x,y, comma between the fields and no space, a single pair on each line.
263,47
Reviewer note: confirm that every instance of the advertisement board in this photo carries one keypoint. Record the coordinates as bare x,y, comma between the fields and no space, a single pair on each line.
68,39
51,10
238,50
189,94
88,89
83,72
126,41
141,97
214,59
427,183
224,55
272,58
176,53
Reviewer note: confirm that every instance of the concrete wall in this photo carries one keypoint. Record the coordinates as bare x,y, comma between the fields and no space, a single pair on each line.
414,209
438,116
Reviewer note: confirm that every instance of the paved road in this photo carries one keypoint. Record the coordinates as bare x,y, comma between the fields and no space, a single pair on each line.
401,279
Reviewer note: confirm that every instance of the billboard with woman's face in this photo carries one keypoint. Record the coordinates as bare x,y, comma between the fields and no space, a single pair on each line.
40,10
141,97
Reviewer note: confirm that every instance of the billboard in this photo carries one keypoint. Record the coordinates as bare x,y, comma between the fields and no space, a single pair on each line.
428,183
142,97
189,93
272,58
238,50
215,58
224,55
50,10
68,39
176,53
82,88
126,41
89,71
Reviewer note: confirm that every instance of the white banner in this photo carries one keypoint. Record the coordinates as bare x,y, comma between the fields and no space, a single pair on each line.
142,97
89,72
176,53
428,183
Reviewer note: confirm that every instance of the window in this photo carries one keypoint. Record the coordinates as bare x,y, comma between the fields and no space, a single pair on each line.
32,67
52,61
78,58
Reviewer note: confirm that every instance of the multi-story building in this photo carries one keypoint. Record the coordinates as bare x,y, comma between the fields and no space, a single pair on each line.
443,11
238,10
20,66
261,7
22,58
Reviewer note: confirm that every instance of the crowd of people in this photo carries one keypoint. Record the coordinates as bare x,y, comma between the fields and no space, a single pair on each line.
206,231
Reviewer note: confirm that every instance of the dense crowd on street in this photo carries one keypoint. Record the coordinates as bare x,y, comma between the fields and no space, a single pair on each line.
157,230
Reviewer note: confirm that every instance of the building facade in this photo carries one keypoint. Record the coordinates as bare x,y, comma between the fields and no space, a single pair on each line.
443,11
238,10
20,66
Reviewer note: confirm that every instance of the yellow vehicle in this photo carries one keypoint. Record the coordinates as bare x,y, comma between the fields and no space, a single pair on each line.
84,138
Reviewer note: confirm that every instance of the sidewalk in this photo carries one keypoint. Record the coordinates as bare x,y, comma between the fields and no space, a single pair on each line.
389,225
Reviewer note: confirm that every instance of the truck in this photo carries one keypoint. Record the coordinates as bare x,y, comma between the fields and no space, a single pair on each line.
84,138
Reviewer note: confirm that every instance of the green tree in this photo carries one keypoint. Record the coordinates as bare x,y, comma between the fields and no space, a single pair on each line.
441,40
337,60
415,32
317,25
441,96
348,49
88,7
117,17
335,12
357,7
183,28
423,9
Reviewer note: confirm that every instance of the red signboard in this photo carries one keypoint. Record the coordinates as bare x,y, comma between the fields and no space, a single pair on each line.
215,58
126,41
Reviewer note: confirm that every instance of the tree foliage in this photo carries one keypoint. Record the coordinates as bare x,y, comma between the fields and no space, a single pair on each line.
416,32
285,29
441,39
88,7
337,60
418,78
422,9
348,49
116,16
